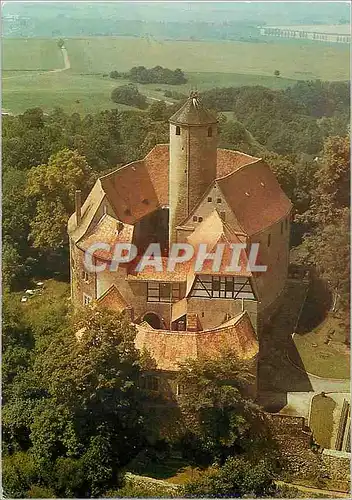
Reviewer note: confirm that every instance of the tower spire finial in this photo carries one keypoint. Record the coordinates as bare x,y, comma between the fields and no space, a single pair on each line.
194,94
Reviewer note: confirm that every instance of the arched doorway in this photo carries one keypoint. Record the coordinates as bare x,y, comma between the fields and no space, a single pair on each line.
153,320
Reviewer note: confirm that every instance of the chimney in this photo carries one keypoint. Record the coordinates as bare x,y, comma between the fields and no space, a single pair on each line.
78,206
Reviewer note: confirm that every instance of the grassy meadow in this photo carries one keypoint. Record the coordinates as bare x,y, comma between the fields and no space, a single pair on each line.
29,78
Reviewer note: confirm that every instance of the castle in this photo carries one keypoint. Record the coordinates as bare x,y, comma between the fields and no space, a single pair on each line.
186,191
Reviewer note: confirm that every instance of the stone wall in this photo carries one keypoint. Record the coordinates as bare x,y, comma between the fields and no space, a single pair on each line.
294,439
338,464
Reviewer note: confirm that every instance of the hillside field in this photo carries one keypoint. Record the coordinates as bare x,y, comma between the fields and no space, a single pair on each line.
31,78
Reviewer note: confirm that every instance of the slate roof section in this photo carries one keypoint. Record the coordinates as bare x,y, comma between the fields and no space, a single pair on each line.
171,348
193,112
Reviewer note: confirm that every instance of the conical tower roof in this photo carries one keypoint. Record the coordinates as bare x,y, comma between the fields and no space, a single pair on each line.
193,113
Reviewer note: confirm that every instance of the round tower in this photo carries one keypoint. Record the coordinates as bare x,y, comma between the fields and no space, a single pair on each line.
192,166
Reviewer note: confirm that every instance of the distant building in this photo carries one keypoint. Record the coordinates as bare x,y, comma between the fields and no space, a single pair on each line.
318,34
186,191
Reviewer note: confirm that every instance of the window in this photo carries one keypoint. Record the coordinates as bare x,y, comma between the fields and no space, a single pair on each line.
223,287
223,216
195,218
163,292
180,389
87,299
178,130
127,211
269,240
200,219
145,201
150,382
218,200
210,132
282,227
210,198
85,276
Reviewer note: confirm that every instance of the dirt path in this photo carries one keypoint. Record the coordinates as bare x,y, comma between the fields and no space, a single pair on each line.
308,489
67,64
155,99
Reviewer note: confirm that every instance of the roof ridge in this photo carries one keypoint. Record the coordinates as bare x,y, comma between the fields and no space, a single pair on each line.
107,292
241,167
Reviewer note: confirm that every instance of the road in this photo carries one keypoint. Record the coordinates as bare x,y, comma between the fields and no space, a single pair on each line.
67,64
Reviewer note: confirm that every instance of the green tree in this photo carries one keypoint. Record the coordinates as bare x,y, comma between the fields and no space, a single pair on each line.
19,472
130,95
219,416
53,187
237,478
157,111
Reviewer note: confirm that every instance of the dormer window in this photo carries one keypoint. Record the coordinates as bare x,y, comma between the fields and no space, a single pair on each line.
218,200
128,211
178,130
210,132
210,198
145,201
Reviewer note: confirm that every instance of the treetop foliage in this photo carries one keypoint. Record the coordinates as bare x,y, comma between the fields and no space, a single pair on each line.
158,74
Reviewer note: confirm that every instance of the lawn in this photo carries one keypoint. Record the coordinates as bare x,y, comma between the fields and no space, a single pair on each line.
172,469
27,81
323,351
73,92
88,93
103,54
30,54
53,291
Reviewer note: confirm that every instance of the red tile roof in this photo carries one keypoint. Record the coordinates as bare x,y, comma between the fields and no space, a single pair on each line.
149,273
211,231
228,161
112,299
110,231
255,196
171,348
139,188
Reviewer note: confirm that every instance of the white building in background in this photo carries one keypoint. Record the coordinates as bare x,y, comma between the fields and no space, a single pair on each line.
319,33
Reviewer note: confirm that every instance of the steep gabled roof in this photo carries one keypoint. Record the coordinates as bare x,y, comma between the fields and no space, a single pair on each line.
193,113
133,191
255,196
212,231
229,160
112,299
89,209
138,189
108,230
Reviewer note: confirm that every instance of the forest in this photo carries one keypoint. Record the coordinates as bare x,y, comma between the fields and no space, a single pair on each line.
75,413
158,74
